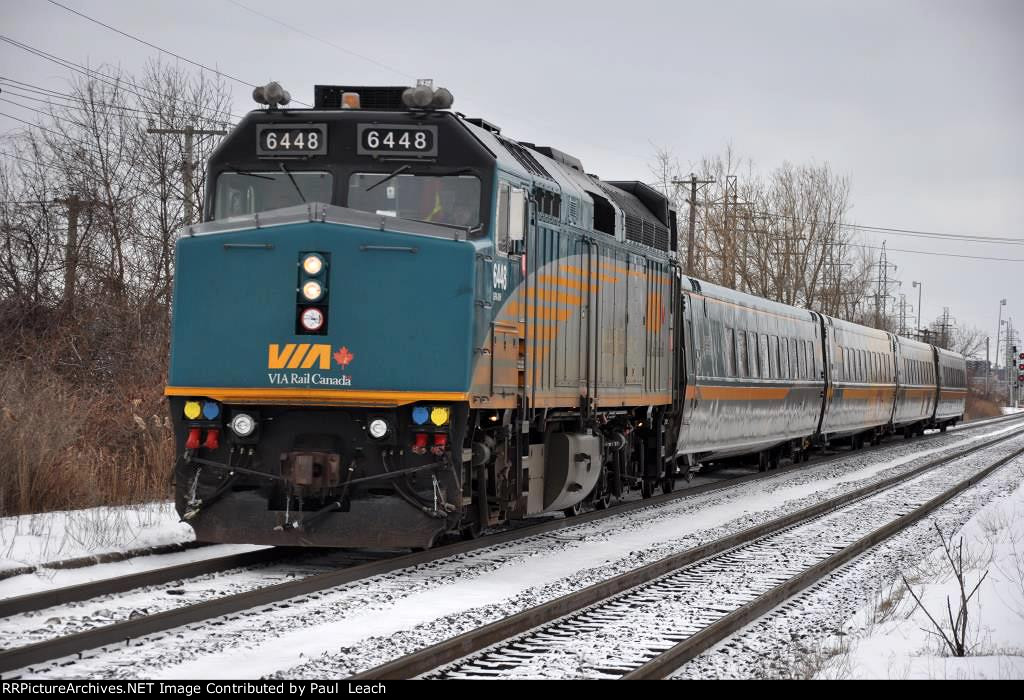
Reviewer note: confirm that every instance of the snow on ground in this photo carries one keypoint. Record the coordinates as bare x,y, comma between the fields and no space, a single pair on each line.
1009,410
28,540
895,638
363,624
808,636
44,579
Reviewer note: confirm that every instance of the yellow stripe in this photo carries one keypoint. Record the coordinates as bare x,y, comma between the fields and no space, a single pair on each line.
738,393
319,397
567,282
516,309
867,394
580,272
550,296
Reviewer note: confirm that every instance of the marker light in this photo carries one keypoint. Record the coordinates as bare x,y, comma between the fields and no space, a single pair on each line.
378,428
312,319
312,290
211,410
439,416
192,409
420,415
192,442
350,100
312,264
243,425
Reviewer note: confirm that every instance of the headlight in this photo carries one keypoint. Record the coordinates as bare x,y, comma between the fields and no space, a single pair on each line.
312,319
243,425
439,416
312,290
378,428
312,265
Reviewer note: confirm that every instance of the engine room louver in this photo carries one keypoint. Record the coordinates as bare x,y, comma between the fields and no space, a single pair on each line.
641,226
525,158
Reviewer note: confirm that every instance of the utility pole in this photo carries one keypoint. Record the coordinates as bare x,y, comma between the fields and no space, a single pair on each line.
75,205
692,181
903,314
944,327
882,290
186,169
730,230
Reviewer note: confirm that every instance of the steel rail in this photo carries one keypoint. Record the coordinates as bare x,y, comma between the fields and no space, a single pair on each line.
668,661
92,589
478,639
121,632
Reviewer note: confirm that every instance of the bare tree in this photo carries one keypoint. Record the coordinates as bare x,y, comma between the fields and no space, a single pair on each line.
956,638
784,236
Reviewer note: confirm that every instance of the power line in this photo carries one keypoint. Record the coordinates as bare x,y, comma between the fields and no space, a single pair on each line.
323,41
23,121
158,48
944,255
972,238
76,102
119,82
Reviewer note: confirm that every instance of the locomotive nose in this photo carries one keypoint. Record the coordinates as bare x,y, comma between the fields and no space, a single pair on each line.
338,307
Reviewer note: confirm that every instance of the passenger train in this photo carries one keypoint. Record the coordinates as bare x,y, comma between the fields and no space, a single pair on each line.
397,324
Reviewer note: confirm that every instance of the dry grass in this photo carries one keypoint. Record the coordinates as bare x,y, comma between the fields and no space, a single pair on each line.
64,446
979,407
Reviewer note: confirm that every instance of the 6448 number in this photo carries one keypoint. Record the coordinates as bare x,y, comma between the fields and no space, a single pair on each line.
384,139
291,140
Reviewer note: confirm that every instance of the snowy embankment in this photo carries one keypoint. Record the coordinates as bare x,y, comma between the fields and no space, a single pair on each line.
893,636
30,540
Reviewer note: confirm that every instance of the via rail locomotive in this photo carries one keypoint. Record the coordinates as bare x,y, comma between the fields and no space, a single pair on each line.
396,323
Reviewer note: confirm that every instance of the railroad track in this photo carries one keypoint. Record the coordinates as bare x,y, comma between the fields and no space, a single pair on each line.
118,633
647,622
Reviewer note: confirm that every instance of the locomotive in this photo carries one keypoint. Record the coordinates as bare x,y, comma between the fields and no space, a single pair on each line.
397,324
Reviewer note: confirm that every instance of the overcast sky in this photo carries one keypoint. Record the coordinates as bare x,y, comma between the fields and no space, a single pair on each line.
921,103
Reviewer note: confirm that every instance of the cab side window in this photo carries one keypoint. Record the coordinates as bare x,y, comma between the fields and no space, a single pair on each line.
501,237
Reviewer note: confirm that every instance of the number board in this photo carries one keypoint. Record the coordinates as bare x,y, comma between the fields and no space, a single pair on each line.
396,140
291,140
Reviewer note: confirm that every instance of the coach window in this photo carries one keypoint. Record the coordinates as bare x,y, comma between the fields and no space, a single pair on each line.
753,365
763,358
730,352
740,353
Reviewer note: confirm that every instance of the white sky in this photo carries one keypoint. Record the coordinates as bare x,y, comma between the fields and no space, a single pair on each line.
920,103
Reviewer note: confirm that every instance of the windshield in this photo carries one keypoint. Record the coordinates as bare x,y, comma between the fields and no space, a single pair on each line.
242,194
447,199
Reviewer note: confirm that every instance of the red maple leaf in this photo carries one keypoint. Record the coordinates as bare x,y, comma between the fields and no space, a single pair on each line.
343,357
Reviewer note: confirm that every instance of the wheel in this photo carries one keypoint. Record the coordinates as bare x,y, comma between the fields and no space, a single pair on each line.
574,510
471,531
647,488
604,502
668,484
773,460
762,462
943,428
805,455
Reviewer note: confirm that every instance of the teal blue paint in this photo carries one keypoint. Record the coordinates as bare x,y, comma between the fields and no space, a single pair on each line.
407,318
